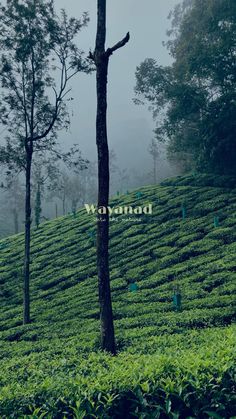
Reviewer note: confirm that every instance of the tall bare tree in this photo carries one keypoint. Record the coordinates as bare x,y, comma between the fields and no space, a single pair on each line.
154,151
13,202
101,57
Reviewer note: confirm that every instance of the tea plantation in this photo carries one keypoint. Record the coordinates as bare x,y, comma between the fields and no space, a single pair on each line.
173,362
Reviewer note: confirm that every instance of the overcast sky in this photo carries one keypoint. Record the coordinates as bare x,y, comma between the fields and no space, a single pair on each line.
129,126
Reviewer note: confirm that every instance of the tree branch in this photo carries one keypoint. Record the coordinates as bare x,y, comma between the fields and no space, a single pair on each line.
119,44
91,56
59,99
50,126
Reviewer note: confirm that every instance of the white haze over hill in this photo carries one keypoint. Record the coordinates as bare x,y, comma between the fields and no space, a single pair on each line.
130,127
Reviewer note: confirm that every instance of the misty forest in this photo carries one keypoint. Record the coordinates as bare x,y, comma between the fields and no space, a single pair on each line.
117,209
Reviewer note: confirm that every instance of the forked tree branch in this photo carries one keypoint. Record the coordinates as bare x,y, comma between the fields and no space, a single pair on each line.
119,44
110,51
91,55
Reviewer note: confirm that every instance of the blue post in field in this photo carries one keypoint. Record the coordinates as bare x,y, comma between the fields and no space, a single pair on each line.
184,212
177,299
133,287
92,237
216,221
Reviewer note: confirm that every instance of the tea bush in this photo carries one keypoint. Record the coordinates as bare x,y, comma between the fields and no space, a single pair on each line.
172,364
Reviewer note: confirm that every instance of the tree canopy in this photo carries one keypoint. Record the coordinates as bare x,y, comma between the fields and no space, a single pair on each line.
193,100
38,58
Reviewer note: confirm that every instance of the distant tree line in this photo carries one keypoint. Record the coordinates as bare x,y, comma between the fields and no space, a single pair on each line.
58,190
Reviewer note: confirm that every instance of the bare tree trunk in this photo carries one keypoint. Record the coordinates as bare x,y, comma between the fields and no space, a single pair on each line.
155,169
107,328
26,294
16,221
101,59
64,204
106,316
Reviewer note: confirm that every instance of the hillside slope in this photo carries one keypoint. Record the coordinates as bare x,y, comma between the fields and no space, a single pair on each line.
159,252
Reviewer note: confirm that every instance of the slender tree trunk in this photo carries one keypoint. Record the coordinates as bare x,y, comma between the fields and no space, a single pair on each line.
16,221
38,208
106,316
155,169
64,204
107,327
101,59
26,303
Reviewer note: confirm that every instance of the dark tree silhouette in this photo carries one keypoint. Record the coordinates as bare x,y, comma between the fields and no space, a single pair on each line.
101,59
154,151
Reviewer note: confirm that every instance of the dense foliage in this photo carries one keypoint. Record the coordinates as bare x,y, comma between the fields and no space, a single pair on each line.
194,100
172,364
189,375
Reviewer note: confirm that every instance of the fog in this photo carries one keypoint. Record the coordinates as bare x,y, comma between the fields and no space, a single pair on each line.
130,127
